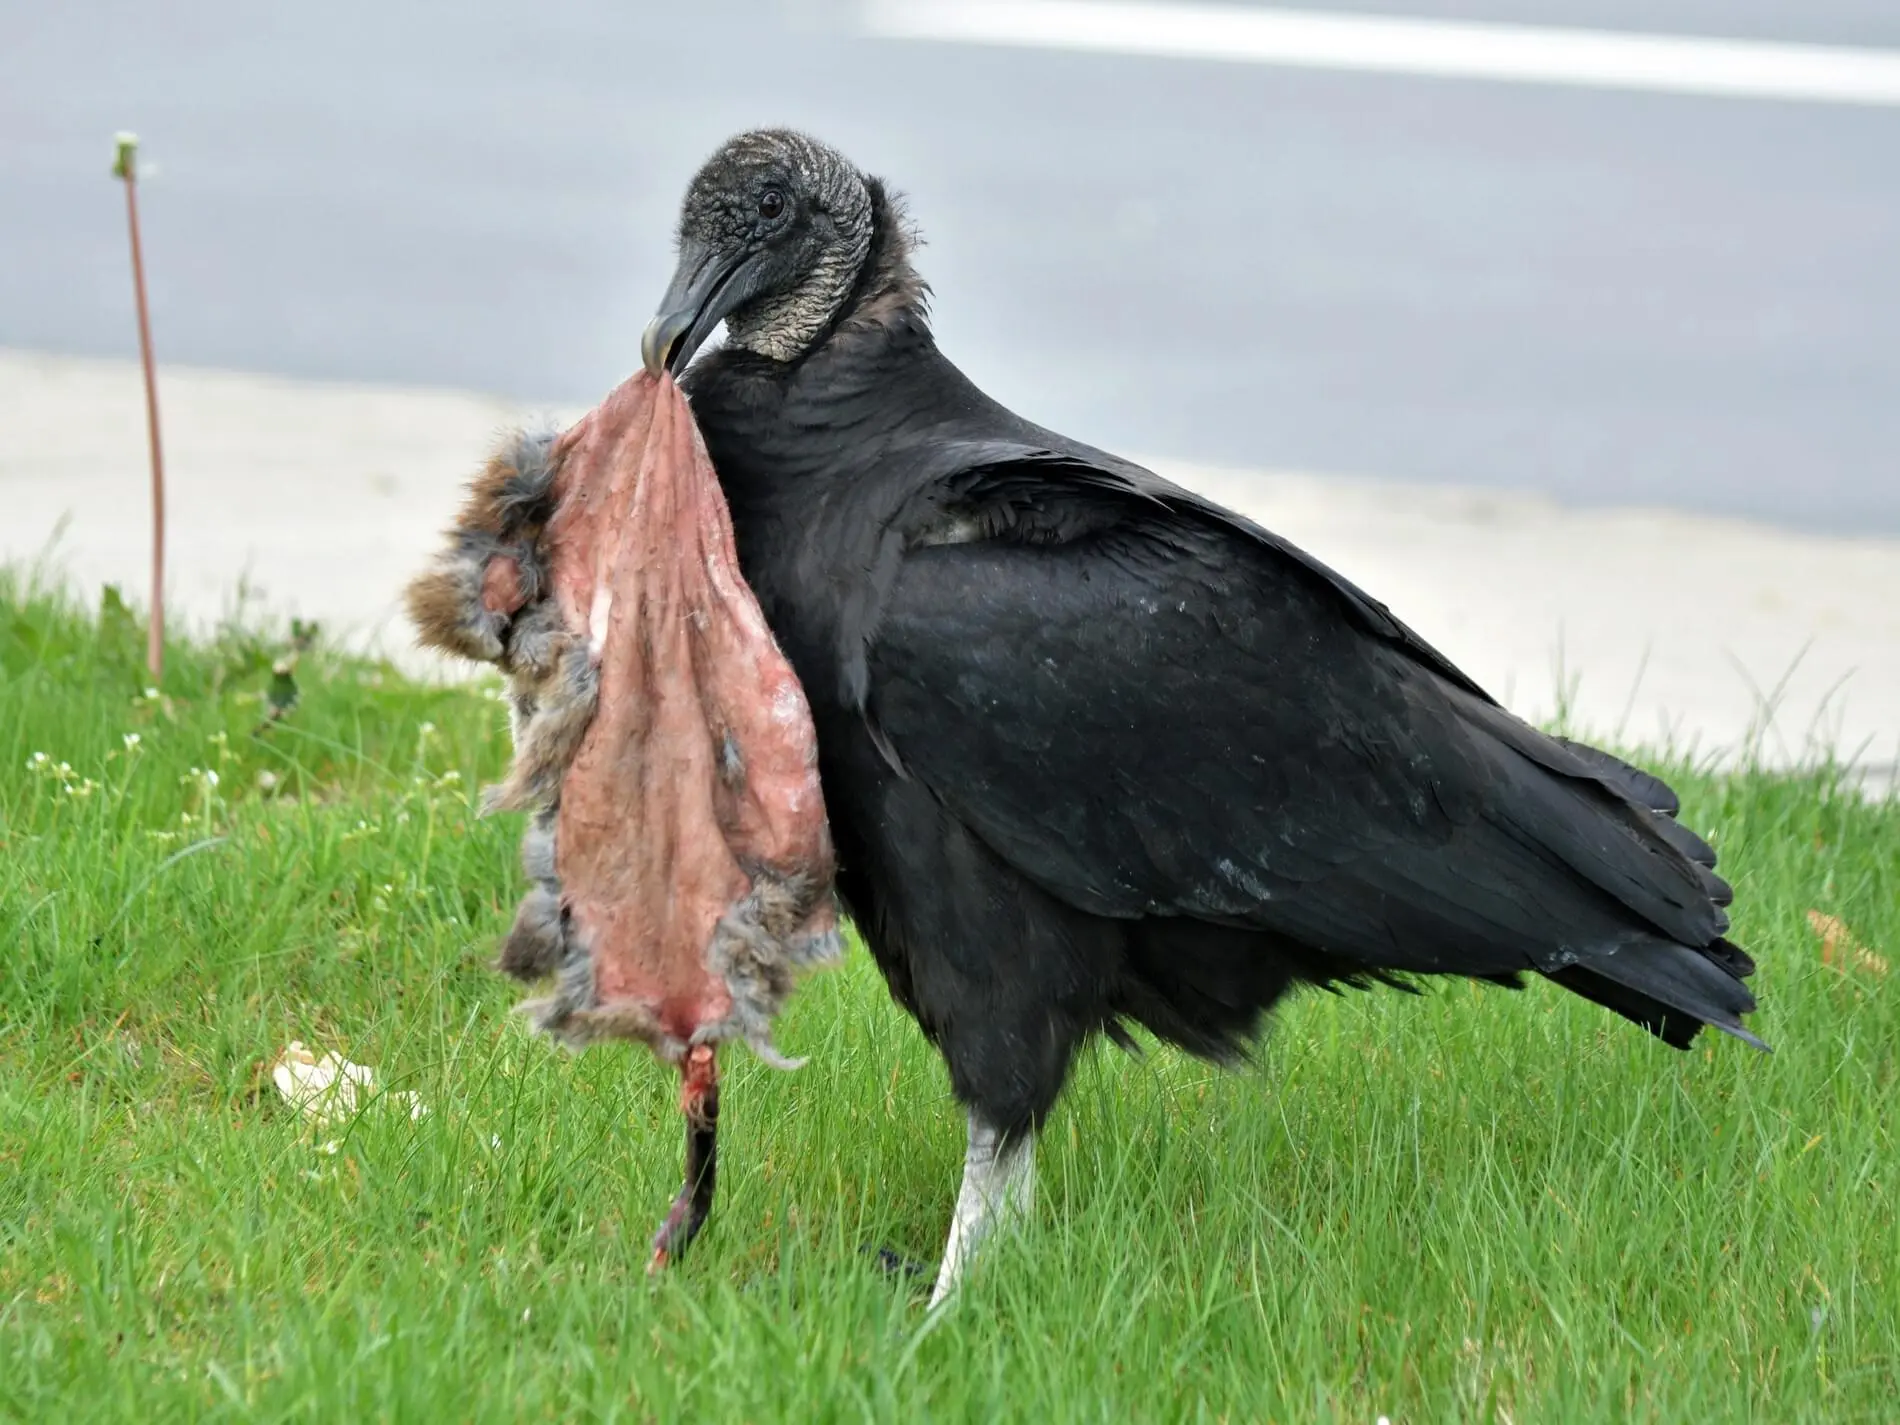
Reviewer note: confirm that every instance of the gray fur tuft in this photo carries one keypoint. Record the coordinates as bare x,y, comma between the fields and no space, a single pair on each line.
548,732
537,944
757,947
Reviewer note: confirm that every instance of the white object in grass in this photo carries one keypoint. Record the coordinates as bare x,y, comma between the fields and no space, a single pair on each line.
329,1088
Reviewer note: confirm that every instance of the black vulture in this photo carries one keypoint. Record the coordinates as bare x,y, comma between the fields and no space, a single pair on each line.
1097,751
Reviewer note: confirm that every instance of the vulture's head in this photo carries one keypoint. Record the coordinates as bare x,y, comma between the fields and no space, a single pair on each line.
773,233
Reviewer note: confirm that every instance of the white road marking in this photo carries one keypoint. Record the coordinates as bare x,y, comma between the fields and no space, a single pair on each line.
1383,44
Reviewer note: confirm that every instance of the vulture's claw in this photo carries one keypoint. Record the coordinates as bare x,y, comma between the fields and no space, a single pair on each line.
699,1101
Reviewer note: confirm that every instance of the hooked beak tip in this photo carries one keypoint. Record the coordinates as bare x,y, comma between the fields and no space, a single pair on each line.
656,344
701,293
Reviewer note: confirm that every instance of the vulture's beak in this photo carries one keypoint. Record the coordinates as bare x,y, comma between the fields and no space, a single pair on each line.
706,286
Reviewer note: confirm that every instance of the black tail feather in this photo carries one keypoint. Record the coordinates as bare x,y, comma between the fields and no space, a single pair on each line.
1671,990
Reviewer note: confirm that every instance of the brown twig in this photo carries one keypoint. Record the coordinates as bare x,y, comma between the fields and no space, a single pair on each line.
126,167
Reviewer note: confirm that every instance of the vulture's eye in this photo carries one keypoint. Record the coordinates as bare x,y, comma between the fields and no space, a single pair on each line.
771,203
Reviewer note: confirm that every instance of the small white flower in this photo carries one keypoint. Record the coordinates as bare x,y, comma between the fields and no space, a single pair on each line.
211,778
37,761
266,780
131,741
151,695
427,729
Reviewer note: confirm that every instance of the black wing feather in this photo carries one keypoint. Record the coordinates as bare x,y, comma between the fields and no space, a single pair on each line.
1153,708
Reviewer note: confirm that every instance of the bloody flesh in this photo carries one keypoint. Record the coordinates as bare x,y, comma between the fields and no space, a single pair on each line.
679,849
699,773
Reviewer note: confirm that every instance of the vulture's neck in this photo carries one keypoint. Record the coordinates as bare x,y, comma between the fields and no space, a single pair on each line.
887,286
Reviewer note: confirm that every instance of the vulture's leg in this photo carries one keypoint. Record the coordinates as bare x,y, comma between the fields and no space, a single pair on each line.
699,1101
999,1181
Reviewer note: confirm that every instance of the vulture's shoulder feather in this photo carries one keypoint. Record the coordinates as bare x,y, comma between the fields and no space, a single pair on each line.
1066,477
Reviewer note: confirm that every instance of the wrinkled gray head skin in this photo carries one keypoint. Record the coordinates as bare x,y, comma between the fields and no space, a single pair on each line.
773,233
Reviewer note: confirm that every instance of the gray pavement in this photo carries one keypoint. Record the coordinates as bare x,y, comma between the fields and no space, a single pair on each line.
1609,298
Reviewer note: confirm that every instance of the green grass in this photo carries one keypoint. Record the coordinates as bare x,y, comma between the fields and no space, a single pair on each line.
1472,1206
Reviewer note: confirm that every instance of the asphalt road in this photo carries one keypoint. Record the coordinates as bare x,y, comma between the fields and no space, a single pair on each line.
1611,297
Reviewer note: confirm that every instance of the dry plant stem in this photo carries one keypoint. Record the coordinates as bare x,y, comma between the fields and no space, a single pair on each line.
699,1101
127,169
